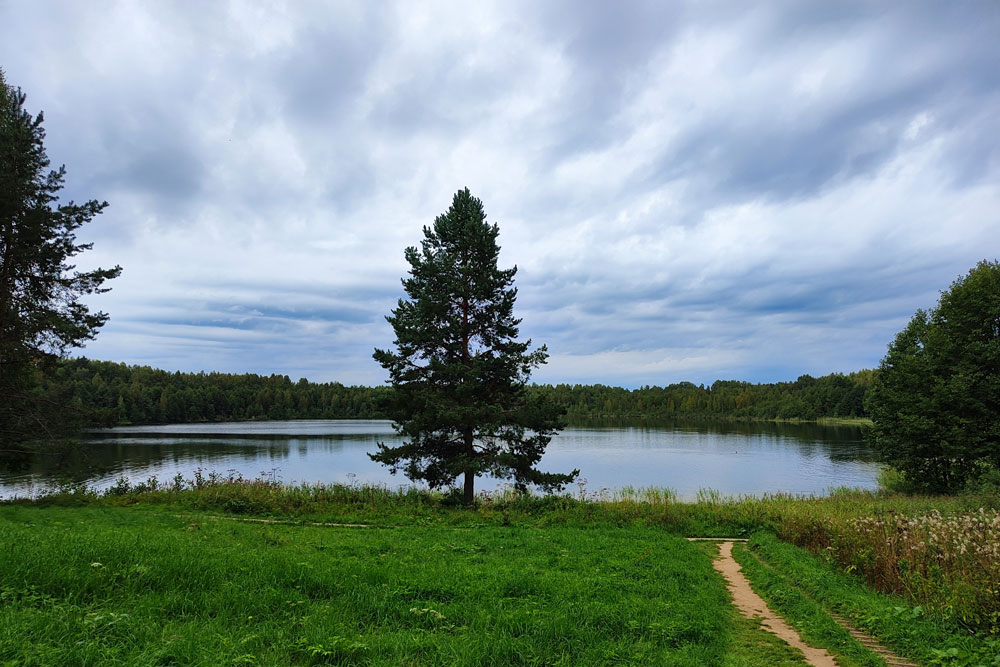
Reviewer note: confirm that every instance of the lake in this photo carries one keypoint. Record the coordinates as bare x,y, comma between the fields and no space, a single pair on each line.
734,458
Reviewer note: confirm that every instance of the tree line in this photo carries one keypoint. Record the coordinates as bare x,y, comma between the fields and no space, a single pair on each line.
807,398
105,393
111,394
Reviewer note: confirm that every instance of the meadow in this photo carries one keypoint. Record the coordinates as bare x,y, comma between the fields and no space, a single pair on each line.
229,571
106,586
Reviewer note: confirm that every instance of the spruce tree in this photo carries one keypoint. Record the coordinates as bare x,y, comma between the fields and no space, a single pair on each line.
459,374
41,315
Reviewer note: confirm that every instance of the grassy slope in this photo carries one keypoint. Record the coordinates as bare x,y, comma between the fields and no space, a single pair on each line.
142,586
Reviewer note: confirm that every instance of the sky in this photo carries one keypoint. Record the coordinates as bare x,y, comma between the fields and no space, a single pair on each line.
691,191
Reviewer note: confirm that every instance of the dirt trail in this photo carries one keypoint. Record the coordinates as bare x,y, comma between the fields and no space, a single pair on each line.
865,639
872,644
752,606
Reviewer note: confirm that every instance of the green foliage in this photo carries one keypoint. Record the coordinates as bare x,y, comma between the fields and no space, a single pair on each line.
41,313
459,373
934,404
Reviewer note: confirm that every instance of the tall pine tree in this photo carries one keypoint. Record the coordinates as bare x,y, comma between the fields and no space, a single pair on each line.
41,315
459,374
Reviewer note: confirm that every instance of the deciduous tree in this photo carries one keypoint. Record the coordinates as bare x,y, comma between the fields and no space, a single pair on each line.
935,401
458,371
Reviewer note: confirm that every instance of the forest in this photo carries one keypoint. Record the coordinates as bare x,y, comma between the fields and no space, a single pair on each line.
106,393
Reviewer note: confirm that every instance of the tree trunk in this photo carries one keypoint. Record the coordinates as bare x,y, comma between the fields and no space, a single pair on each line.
470,475
5,295
470,490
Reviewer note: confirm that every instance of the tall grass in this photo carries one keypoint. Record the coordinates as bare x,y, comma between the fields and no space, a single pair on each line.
797,583
951,563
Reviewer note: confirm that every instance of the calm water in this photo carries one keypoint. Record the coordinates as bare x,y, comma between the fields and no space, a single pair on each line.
733,458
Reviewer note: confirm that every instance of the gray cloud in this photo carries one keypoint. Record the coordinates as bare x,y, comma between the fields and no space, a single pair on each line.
691,190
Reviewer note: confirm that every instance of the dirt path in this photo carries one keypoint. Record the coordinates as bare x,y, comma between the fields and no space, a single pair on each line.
865,639
872,644
752,606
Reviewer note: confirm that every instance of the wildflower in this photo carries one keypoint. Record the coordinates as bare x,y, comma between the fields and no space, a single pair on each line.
433,613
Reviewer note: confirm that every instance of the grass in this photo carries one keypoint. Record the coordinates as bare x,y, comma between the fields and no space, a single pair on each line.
582,579
803,613
845,421
938,551
137,586
948,562
803,587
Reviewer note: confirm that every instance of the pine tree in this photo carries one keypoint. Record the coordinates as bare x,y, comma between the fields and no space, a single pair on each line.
41,315
459,374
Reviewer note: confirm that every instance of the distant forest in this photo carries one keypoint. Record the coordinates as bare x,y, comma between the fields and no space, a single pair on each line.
108,394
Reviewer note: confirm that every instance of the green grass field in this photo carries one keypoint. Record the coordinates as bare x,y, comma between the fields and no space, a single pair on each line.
192,576
137,586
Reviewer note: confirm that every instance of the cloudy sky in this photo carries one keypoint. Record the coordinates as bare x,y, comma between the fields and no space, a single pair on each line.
690,191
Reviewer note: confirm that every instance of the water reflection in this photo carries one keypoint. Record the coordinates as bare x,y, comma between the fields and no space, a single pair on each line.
732,457
844,442
799,430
